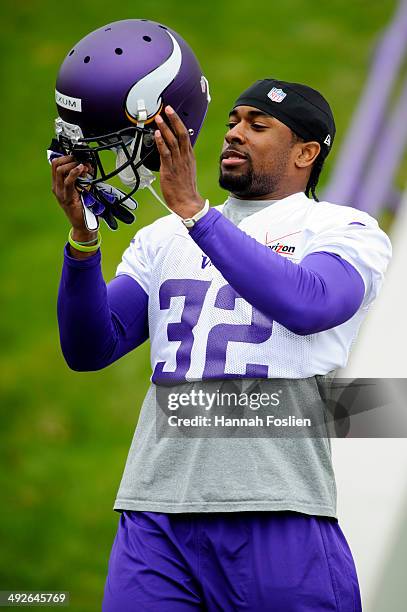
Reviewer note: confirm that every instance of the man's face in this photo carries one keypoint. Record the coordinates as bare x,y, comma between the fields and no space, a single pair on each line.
257,154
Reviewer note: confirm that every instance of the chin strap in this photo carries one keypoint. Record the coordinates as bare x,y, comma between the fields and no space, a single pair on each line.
157,197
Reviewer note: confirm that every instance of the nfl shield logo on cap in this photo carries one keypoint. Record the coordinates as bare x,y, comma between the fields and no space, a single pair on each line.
276,95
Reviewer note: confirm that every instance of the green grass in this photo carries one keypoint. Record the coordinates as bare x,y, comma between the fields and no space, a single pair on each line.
65,435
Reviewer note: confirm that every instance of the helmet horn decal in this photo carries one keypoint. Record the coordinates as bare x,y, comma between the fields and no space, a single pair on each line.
150,88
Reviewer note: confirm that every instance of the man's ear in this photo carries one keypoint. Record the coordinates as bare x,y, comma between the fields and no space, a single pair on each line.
307,153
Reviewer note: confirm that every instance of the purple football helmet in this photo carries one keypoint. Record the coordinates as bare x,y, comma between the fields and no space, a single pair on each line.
112,85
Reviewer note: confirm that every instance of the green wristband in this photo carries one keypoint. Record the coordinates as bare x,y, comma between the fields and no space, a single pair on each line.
86,243
82,247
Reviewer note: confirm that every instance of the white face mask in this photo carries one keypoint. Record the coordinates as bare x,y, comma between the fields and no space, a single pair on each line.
128,177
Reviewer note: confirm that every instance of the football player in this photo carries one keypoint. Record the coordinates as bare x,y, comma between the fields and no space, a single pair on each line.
270,285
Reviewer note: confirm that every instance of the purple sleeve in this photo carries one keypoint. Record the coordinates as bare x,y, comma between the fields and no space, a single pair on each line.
321,292
98,323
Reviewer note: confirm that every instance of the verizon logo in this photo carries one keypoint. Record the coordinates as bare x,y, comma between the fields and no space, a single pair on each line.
281,247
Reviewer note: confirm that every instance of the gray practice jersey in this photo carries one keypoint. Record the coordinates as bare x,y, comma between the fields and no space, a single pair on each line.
177,473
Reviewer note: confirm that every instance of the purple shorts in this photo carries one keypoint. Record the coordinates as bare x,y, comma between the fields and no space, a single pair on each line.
258,561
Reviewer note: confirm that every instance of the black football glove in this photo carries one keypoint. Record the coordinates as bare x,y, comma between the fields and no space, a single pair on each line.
100,199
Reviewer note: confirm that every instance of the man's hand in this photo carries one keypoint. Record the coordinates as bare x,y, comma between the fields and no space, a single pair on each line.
178,166
65,171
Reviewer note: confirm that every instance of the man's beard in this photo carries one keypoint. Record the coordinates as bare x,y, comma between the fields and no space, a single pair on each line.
250,184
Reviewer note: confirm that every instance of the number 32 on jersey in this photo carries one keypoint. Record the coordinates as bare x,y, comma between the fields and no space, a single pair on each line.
195,291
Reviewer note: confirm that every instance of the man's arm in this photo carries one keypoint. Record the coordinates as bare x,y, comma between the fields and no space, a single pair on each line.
98,324
321,292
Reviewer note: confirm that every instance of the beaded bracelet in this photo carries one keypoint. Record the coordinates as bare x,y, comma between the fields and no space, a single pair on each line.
79,246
